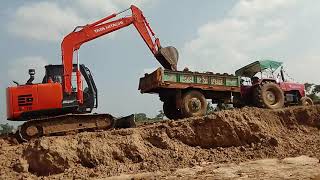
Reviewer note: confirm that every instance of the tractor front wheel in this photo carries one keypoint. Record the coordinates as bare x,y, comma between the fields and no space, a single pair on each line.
306,101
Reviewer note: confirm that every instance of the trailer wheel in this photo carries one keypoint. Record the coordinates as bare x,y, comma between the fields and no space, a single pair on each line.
268,95
193,104
170,110
306,101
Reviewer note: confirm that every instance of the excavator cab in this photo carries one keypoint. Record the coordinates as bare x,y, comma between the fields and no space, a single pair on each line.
54,73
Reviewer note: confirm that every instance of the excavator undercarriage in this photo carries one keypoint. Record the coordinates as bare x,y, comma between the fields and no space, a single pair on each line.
71,123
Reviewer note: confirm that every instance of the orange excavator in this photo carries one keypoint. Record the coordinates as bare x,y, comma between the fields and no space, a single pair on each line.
68,94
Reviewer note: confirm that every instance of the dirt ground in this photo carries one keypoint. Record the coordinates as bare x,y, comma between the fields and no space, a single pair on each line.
301,167
247,143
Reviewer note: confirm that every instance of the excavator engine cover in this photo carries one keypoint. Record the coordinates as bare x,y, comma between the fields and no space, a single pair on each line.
168,57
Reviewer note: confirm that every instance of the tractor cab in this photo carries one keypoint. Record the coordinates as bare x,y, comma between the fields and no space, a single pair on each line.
260,71
263,84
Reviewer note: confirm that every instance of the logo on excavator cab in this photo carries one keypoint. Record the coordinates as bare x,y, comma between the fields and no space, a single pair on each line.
25,100
108,26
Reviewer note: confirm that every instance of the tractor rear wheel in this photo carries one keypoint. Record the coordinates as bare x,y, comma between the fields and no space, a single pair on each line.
268,95
306,101
170,110
193,104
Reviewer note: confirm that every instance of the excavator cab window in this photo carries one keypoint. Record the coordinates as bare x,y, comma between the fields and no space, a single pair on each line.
89,88
55,72
84,85
74,82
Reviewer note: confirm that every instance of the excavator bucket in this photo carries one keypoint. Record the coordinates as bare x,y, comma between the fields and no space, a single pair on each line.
168,57
125,122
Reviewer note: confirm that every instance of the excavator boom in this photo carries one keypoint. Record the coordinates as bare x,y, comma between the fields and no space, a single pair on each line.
167,57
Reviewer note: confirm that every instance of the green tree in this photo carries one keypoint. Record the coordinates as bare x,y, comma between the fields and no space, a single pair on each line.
312,91
308,87
160,116
6,128
139,117
316,89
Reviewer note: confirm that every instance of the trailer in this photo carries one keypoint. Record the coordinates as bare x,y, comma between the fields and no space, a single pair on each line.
185,93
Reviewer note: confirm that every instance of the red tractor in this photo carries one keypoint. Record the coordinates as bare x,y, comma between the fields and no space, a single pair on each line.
261,88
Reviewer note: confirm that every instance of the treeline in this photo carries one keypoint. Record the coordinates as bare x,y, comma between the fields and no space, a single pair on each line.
6,128
142,117
313,91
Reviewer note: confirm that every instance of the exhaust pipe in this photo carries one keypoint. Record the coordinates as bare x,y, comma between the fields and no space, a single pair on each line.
32,72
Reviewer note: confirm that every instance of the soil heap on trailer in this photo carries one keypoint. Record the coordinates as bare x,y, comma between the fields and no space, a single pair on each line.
46,106
184,93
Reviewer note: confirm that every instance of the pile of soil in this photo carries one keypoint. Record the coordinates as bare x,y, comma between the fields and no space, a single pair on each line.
232,136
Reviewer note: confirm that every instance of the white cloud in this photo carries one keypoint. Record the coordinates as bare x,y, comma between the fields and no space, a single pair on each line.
259,9
52,20
18,69
103,7
252,30
44,21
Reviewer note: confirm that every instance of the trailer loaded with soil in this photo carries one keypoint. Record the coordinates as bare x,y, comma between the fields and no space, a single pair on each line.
185,93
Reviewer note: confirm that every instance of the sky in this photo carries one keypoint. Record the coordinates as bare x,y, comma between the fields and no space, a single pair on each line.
210,35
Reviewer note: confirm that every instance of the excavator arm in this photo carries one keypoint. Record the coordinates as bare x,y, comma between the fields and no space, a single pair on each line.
167,57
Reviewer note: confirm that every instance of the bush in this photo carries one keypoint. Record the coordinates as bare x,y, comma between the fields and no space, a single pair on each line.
6,128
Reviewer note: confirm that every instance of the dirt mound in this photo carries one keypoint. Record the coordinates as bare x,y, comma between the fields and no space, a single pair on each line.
8,140
227,136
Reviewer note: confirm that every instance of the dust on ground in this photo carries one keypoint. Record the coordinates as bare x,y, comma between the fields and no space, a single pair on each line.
229,143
